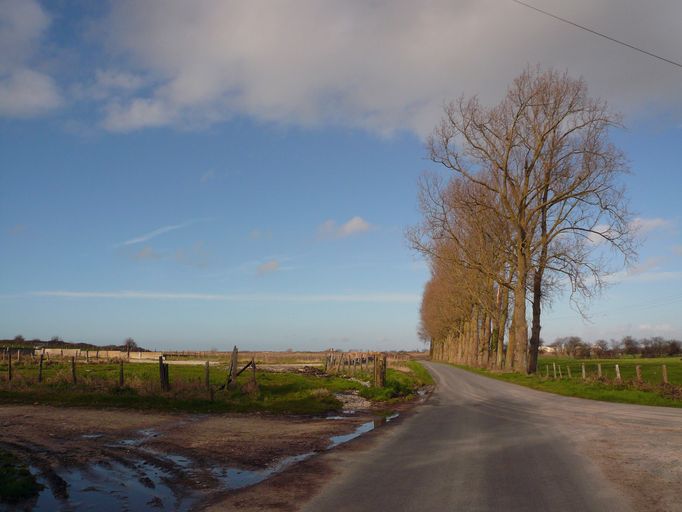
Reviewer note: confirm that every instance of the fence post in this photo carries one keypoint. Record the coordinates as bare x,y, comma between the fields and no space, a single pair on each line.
547,371
207,380
120,374
618,379
561,375
664,371
599,370
73,370
554,368
568,371
9,365
638,370
161,377
40,369
583,370
232,375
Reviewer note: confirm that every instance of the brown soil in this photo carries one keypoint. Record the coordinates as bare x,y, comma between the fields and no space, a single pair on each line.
51,439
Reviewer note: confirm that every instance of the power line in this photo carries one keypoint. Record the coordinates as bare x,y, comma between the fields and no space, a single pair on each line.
564,20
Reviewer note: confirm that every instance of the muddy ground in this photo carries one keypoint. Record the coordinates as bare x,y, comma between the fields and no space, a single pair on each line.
184,461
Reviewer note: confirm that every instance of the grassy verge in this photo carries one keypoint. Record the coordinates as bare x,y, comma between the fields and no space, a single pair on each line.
277,392
400,385
16,481
605,389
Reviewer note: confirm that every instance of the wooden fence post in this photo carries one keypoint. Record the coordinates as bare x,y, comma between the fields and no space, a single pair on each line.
73,370
664,372
568,371
618,378
87,356
162,379
554,368
561,375
547,371
584,372
40,369
120,374
207,379
599,374
9,365
232,375
638,371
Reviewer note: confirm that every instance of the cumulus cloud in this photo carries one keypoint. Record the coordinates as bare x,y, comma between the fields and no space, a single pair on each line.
25,91
267,267
382,66
329,228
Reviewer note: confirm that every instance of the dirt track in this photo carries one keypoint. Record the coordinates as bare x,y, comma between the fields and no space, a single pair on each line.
188,448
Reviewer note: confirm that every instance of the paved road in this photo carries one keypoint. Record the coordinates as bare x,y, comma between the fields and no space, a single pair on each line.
480,444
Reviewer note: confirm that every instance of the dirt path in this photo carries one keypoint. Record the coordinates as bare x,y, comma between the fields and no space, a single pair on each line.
185,459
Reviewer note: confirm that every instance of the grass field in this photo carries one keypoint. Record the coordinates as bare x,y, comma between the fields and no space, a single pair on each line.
650,392
278,392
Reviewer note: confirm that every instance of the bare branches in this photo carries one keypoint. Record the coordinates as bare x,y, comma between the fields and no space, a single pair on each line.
533,205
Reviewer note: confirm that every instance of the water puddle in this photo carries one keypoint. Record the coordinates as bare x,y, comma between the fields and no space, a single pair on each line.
235,478
113,486
144,436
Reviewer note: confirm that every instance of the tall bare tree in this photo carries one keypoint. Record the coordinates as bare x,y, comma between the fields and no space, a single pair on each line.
538,166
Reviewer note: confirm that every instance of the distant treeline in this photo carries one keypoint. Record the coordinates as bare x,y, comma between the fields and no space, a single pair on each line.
56,342
657,346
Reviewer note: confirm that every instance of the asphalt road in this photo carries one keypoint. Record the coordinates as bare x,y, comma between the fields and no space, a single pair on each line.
481,444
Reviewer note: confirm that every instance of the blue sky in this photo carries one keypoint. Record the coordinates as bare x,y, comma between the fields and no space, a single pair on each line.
218,174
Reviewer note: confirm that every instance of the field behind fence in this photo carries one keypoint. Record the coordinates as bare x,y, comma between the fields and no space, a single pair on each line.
656,371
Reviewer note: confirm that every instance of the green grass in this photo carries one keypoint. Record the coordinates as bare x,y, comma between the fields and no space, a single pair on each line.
278,392
399,385
651,392
16,481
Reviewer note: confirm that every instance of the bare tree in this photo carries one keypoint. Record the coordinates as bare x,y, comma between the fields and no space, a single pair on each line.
544,157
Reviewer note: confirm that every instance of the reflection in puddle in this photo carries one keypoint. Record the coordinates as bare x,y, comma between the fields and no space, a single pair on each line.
113,487
142,486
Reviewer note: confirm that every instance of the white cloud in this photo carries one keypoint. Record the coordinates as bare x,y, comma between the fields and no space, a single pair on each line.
268,267
355,225
159,231
139,113
644,225
25,91
383,66
273,297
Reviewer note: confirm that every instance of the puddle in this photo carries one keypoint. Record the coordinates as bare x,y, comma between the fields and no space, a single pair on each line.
335,441
145,435
112,487
91,436
233,478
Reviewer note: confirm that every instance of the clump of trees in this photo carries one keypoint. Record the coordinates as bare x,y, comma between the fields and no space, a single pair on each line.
574,346
532,205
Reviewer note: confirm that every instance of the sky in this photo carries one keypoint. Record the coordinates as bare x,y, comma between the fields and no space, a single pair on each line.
209,173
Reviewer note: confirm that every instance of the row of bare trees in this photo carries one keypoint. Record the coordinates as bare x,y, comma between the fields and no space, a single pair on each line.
531,205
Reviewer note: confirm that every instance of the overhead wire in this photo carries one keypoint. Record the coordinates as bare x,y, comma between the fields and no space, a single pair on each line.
597,33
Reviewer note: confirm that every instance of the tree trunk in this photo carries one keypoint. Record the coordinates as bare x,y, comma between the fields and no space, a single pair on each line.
535,328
